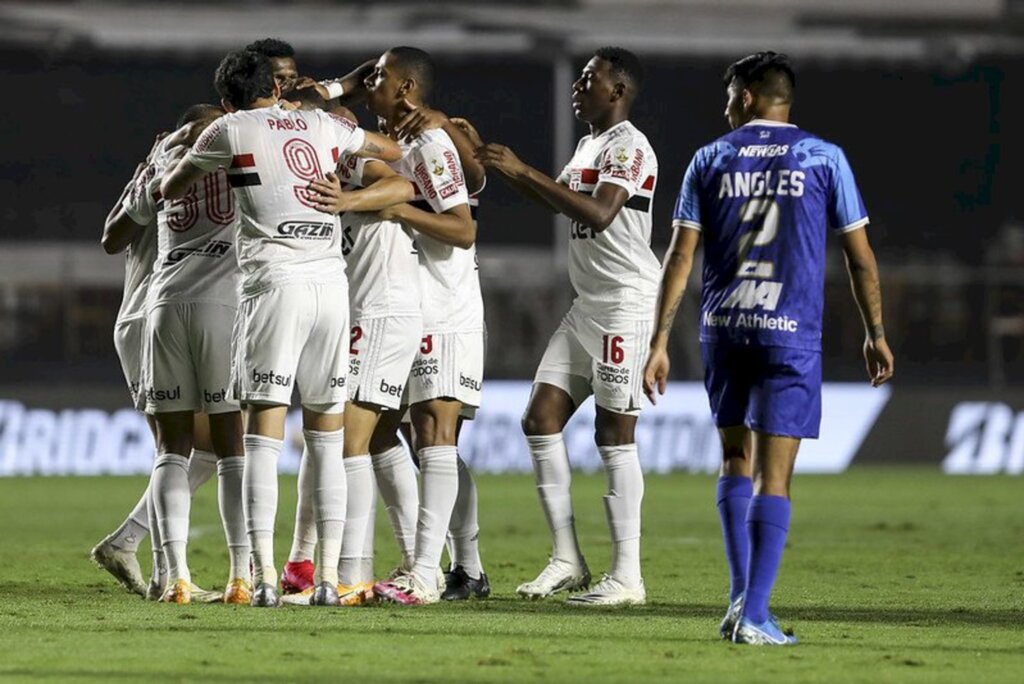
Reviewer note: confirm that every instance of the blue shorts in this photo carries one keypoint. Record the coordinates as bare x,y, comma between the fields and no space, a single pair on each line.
775,390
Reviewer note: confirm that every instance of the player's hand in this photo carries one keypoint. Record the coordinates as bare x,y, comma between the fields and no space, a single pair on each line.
327,195
156,145
656,373
501,159
417,120
469,129
287,105
307,82
879,361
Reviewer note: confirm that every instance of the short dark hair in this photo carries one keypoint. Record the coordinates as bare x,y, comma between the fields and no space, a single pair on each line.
197,112
770,73
306,98
243,77
415,63
624,64
271,47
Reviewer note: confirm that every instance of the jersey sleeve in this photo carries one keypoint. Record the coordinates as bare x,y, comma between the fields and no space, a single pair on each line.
687,211
622,163
439,177
213,148
846,209
348,136
141,201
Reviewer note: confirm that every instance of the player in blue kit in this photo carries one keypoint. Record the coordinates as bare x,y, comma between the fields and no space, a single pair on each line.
764,196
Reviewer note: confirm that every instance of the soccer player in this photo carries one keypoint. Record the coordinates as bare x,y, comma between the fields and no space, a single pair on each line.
191,304
447,372
136,237
291,329
601,344
764,197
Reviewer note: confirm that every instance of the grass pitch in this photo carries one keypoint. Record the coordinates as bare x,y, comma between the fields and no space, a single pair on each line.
890,576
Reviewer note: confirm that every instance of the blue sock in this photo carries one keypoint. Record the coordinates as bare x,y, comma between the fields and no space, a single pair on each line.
734,494
767,524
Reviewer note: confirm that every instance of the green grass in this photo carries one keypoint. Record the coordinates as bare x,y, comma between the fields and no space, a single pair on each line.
890,576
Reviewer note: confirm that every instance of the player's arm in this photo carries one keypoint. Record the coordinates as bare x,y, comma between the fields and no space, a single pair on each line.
348,89
119,230
419,119
674,276
863,271
180,176
384,188
454,226
595,211
377,146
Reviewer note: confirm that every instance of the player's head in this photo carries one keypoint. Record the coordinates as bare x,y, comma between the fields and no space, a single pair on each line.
307,99
401,73
191,124
758,84
282,60
611,80
199,112
244,77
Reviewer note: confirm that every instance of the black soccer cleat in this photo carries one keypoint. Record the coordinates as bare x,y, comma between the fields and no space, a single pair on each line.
460,586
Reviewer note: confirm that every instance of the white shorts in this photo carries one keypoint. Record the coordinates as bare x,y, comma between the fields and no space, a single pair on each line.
587,356
448,365
186,356
380,358
128,344
295,334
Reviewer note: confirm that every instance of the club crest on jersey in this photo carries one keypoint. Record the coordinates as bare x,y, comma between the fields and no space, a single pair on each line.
305,230
575,179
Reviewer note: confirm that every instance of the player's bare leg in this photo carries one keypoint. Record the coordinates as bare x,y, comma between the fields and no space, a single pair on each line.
615,434
733,498
396,481
435,423
768,524
549,410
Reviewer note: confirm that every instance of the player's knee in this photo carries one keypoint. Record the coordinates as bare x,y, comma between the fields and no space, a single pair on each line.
383,441
733,451
432,431
538,423
613,429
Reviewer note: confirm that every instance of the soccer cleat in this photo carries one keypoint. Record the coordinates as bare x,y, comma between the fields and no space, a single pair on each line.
265,596
180,593
611,592
559,575
122,564
300,599
155,590
767,633
200,595
324,595
297,577
355,595
407,590
732,616
459,586
238,592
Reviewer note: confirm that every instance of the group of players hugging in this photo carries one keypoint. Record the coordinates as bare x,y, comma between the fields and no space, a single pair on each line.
272,245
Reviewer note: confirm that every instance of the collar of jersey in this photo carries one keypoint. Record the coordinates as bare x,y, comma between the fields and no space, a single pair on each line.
766,122
621,123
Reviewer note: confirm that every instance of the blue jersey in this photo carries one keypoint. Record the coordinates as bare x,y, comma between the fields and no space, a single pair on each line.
765,196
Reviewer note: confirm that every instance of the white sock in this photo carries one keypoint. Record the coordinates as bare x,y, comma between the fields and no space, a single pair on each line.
366,559
439,487
259,489
201,467
622,505
134,528
396,481
359,471
159,574
330,494
551,468
304,536
173,502
464,530
229,495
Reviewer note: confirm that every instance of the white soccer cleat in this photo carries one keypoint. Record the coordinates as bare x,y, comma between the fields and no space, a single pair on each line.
558,576
407,590
200,595
122,564
611,592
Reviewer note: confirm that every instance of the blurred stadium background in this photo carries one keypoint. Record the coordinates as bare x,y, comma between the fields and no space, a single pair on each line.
924,95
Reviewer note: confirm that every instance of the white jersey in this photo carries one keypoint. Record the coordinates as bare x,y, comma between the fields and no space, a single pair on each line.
195,259
380,257
614,272
140,256
449,278
271,154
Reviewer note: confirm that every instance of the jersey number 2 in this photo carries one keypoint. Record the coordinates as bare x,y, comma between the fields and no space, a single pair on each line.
764,214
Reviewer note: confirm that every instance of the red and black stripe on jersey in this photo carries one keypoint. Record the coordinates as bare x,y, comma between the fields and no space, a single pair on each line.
242,172
420,203
641,201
